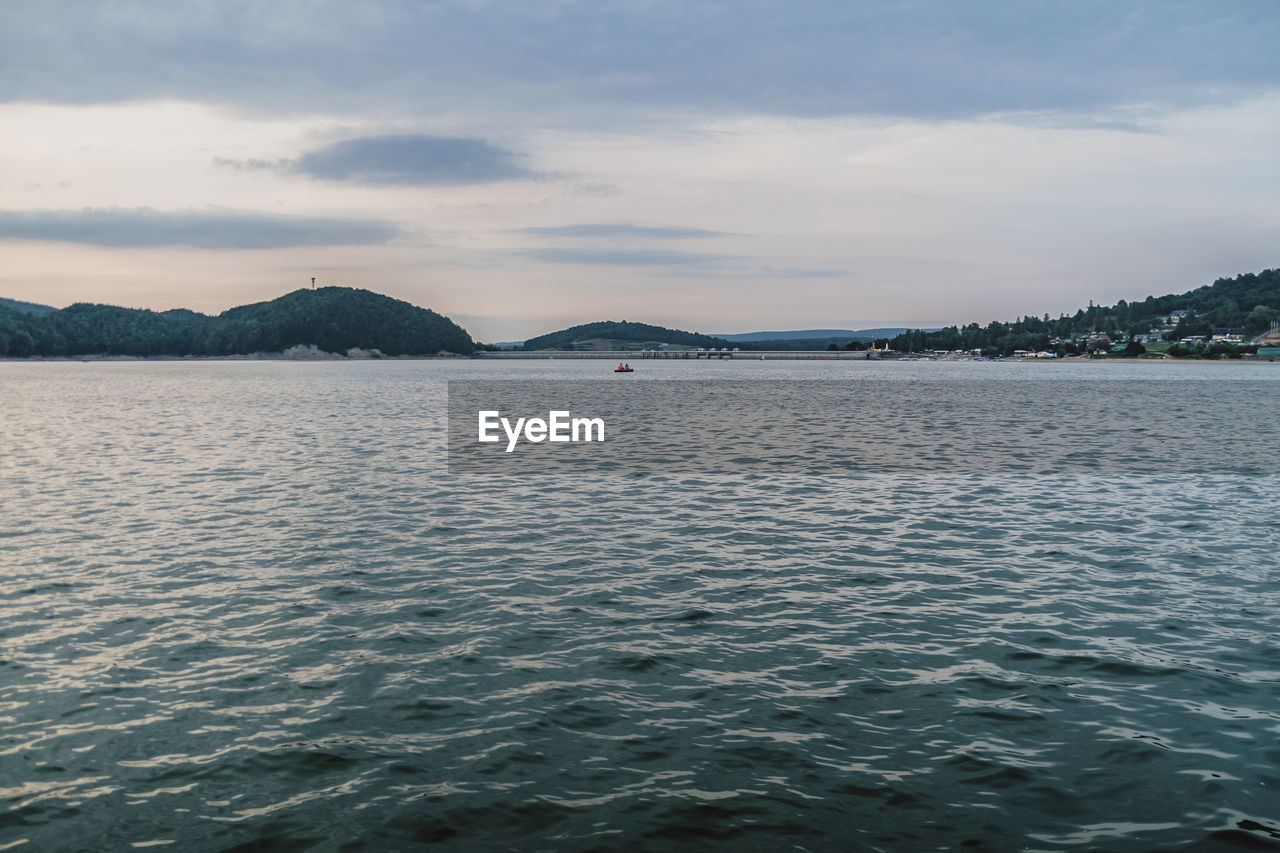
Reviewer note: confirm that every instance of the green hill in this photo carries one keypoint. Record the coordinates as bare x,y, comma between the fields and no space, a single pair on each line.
334,319
567,339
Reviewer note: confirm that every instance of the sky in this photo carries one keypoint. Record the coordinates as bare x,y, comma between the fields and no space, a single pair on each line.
714,166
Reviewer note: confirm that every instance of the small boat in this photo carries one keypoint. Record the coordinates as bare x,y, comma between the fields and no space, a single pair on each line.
624,370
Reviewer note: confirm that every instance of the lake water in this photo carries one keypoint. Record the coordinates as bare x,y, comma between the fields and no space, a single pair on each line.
245,605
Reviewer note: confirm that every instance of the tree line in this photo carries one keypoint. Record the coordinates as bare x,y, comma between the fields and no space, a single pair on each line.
1250,302
334,319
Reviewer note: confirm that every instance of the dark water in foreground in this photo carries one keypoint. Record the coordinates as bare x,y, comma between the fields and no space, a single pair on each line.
244,605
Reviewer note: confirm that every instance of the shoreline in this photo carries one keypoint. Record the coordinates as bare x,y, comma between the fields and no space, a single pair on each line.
251,357
792,355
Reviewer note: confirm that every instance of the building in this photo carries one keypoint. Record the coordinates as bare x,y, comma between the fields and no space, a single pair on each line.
1227,335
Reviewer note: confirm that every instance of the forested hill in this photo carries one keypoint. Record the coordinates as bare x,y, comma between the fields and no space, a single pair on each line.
621,331
1250,301
334,319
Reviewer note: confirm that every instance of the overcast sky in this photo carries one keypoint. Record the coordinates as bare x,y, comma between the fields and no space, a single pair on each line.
717,166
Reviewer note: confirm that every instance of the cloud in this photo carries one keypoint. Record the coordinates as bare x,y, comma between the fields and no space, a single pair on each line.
250,164
800,272
596,61
626,257
410,159
622,231
735,272
215,229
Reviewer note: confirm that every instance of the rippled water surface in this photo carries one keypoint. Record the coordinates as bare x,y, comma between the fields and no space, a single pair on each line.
244,605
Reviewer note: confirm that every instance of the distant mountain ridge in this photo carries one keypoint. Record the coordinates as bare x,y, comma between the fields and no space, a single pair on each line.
582,336
818,334
333,319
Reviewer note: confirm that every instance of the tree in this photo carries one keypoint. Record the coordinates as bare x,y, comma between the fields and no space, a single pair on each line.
1227,313
21,343
1260,319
